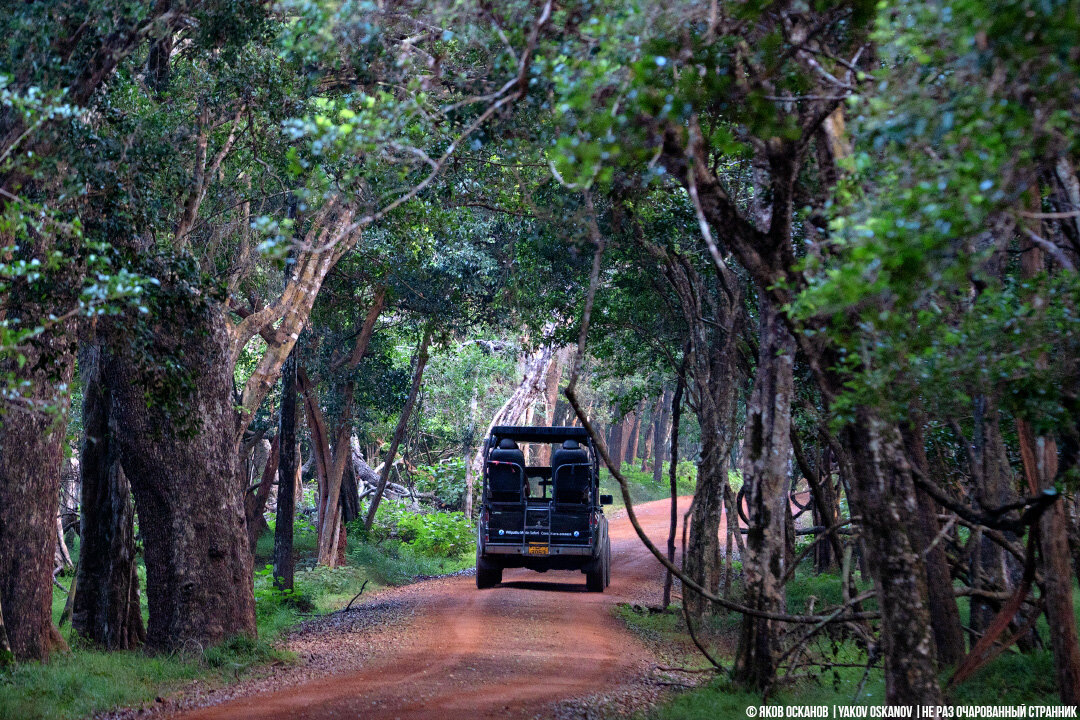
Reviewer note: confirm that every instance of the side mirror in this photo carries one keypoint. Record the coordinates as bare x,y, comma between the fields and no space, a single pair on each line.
606,500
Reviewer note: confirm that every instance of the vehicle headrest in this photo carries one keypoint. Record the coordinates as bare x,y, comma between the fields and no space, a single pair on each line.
507,444
570,445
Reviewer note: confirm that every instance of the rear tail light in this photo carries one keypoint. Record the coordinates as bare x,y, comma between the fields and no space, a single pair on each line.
592,521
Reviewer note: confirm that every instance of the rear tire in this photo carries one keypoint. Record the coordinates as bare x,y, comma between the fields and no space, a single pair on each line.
488,574
594,576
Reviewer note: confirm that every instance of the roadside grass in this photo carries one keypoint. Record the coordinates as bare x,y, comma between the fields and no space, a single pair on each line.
1011,679
642,487
88,680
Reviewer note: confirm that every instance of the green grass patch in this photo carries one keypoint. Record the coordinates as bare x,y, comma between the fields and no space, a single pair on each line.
642,487
393,562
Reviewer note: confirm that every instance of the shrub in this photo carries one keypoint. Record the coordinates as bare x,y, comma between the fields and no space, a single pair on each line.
270,598
440,533
446,480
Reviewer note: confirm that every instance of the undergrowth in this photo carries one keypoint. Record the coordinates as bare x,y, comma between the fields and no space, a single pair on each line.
1012,679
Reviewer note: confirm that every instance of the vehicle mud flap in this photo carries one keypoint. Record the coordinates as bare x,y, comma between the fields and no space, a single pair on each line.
488,574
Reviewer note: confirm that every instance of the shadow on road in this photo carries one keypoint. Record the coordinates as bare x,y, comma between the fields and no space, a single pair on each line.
545,586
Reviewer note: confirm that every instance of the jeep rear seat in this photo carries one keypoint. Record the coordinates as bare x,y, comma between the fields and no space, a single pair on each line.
504,479
571,483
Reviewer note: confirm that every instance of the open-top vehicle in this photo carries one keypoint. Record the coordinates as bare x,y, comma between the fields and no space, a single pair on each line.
545,517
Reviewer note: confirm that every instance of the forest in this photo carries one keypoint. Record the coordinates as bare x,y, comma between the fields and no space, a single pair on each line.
271,272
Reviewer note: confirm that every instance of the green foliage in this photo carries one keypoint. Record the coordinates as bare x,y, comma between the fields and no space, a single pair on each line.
396,563
437,534
269,598
642,487
446,480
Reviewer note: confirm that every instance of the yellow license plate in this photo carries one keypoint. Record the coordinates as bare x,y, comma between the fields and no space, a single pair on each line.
538,550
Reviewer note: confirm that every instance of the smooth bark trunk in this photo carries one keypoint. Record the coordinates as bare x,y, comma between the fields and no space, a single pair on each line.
673,523
255,500
659,436
530,388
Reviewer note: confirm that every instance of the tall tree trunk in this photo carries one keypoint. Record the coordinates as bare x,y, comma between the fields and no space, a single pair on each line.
673,523
1039,455
6,656
767,447
331,514
883,495
635,433
184,469
660,423
629,424
399,431
993,488
288,473
649,442
106,608
704,545
944,614
31,453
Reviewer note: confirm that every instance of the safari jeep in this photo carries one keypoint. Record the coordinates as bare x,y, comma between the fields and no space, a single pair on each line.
542,517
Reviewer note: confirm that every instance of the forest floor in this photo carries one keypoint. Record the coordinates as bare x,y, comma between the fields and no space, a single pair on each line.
538,645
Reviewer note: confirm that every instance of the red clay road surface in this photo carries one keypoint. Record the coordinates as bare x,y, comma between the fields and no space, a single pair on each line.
511,651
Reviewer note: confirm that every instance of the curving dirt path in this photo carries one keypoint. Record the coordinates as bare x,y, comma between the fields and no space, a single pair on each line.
512,651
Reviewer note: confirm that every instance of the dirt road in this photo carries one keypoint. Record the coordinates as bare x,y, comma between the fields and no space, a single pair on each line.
511,651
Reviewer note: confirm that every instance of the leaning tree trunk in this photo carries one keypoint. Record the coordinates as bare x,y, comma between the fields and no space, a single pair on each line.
767,447
883,496
106,608
181,459
31,453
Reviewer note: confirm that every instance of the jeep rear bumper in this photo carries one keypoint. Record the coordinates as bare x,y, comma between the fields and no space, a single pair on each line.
517,549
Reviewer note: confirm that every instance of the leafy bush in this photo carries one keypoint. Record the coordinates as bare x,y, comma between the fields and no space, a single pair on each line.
439,533
270,598
446,480
385,524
